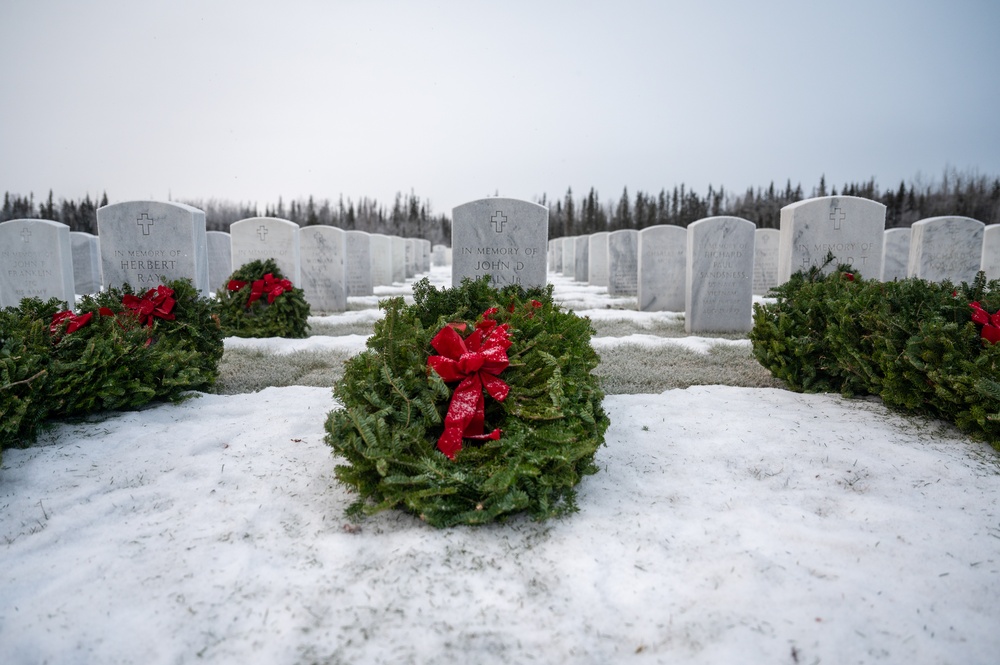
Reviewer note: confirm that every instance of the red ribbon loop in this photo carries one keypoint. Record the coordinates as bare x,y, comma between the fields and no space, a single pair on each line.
990,322
268,285
476,362
76,321
157,303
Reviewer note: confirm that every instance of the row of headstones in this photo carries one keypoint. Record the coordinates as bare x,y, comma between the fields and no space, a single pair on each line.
712,269
705,270
507,240
140,241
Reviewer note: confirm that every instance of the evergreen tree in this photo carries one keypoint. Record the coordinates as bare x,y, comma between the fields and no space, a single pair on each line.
311,218
662,208
569,223
623,212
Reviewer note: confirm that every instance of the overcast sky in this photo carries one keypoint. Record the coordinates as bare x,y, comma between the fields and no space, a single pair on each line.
251,100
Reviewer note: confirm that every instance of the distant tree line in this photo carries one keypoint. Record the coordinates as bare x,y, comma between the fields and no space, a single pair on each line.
961,194
78,215
410,216
957,193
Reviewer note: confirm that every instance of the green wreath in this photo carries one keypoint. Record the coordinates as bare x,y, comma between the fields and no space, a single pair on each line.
397,428
258,301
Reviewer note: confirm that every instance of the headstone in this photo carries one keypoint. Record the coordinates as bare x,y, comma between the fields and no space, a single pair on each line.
410,256
220,259
598,259
990,263
322,250
623,262
662,252
36,261
719,280
500,237
765,260
850,227
895,254
438,255
555,255
144,242
86,262
381,257
262,238
425,255
357,264
946,249
398,245
568,256
582,258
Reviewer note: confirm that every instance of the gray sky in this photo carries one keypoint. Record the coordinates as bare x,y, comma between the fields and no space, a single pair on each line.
248,100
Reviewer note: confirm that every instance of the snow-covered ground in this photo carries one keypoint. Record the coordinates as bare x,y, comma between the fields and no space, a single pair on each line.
726,525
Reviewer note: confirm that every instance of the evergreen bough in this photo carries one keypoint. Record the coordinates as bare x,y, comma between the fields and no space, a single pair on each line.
113,362
911,342
394,407
25,356
286,316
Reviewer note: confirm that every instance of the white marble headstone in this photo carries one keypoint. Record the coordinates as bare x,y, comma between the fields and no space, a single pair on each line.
765,260
322,250
381,258
144,241
895,254
990,263
358,264
555,255
946,248
262,238
662,251
582,258
398,244
623,262
410,256
86,262
36,261
439,255
501,237
719,281
568,256
850,227
220,259
425,255
598,259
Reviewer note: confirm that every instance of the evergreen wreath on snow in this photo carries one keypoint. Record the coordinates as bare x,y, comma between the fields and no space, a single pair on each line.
469,406
119,350
258,301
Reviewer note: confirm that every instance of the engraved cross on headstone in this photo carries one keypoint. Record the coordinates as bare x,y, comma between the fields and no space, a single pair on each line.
145,222
837,216
262,232
25,235
499,220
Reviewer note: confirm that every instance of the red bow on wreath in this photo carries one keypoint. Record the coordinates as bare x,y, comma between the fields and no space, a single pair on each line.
76,321
475,361
269,285
990,322
157,303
